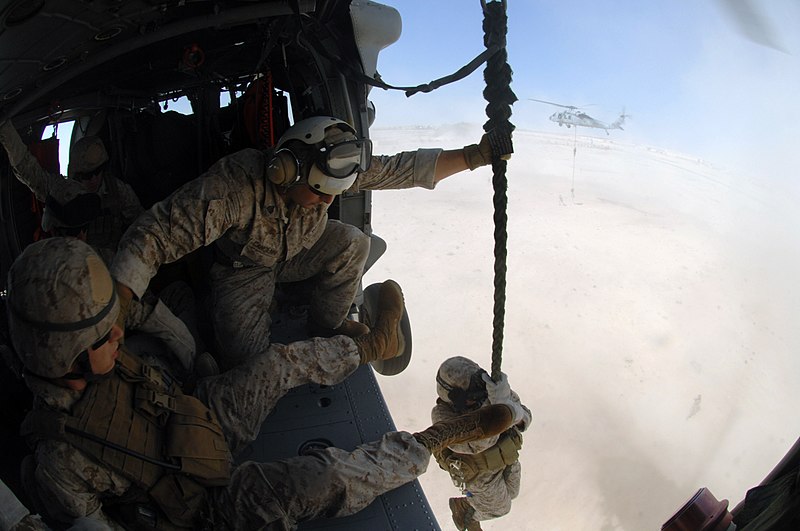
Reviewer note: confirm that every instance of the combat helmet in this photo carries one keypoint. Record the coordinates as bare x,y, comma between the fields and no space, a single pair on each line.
61,301
86,156
323,152
459,383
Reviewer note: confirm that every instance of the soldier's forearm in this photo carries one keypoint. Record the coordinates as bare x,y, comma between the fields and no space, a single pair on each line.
449,163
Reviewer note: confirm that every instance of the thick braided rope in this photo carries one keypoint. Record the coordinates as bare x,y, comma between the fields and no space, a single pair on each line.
498,93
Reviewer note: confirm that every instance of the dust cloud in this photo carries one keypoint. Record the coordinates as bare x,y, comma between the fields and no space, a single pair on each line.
649,322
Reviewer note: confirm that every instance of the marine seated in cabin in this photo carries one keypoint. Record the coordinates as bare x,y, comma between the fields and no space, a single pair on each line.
88,171
70,217
487,471
265,212
116,440
158,316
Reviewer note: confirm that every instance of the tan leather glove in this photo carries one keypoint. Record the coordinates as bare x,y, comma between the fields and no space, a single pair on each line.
495,143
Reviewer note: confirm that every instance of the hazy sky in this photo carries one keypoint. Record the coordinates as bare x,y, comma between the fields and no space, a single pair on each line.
691,81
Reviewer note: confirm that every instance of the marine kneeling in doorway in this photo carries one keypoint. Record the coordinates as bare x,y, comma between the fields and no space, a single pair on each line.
486,470
114,436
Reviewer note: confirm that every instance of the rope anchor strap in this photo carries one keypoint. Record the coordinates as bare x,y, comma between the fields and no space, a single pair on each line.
500,97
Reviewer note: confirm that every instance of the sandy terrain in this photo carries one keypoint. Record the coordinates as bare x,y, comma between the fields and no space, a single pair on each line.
649,325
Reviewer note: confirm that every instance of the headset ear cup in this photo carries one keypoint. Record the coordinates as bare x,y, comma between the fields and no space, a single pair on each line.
282,169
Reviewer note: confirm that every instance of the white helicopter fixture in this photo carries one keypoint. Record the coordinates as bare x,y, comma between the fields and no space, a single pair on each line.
574,116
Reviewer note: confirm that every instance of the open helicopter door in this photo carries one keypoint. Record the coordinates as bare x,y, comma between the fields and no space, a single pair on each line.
350,413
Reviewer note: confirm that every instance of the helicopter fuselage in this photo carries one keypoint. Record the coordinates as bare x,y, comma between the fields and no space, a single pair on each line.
570,118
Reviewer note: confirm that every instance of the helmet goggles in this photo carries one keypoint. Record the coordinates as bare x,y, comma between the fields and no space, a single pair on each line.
335,166
345,158
328,153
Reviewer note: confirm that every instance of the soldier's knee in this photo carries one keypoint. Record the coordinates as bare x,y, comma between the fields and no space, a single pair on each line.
353,240
502,507
360,243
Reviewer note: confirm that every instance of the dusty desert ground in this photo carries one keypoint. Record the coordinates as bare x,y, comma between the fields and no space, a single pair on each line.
649,324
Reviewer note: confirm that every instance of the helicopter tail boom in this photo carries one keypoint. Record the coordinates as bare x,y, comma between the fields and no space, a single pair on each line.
617,124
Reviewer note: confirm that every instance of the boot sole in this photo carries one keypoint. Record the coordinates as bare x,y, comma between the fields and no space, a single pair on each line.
397,364
401,340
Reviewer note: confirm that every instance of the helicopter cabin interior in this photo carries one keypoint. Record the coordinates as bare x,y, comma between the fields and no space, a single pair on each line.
248,70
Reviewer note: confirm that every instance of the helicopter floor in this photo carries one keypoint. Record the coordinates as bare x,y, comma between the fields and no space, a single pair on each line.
343,415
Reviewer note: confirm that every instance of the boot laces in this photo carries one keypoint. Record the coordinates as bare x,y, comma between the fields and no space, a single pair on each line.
452,431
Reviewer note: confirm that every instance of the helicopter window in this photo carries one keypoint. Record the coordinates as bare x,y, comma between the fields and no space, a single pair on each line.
63,132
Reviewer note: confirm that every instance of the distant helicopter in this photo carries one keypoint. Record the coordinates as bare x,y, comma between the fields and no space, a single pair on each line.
574,116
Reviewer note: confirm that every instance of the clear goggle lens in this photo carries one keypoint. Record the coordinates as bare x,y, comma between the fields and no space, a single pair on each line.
346,158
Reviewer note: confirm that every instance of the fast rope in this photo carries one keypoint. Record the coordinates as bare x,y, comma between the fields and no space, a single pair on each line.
574,156
499,96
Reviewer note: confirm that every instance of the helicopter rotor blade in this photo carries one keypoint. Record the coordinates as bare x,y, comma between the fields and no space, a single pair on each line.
572,107
751,22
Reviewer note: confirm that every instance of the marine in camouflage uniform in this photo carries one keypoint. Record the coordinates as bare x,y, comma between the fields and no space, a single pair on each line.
100,206
57,310
88,172
488,470
267,229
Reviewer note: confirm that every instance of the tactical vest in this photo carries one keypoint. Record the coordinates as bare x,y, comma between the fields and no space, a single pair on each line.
139,423
465,467
106,230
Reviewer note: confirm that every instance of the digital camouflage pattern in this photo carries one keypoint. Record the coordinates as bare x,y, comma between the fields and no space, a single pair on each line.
241,295
328,483
260,495
61,300
119,204
259,239
489,493
171,318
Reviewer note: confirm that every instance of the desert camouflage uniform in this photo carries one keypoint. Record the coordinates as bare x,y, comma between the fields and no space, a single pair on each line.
259,241
277,495
120,207
171,317
489,493
118,202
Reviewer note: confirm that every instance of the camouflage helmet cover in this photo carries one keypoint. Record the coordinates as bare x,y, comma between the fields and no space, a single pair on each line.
86,155
61,300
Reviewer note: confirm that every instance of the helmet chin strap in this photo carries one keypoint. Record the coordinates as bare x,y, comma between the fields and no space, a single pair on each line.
85,371
86,374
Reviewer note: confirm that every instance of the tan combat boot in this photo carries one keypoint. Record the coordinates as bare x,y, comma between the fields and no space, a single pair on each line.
351,328
464,515
384,340
473,426
348,328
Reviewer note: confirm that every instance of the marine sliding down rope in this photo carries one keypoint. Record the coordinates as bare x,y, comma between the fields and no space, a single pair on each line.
499,96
